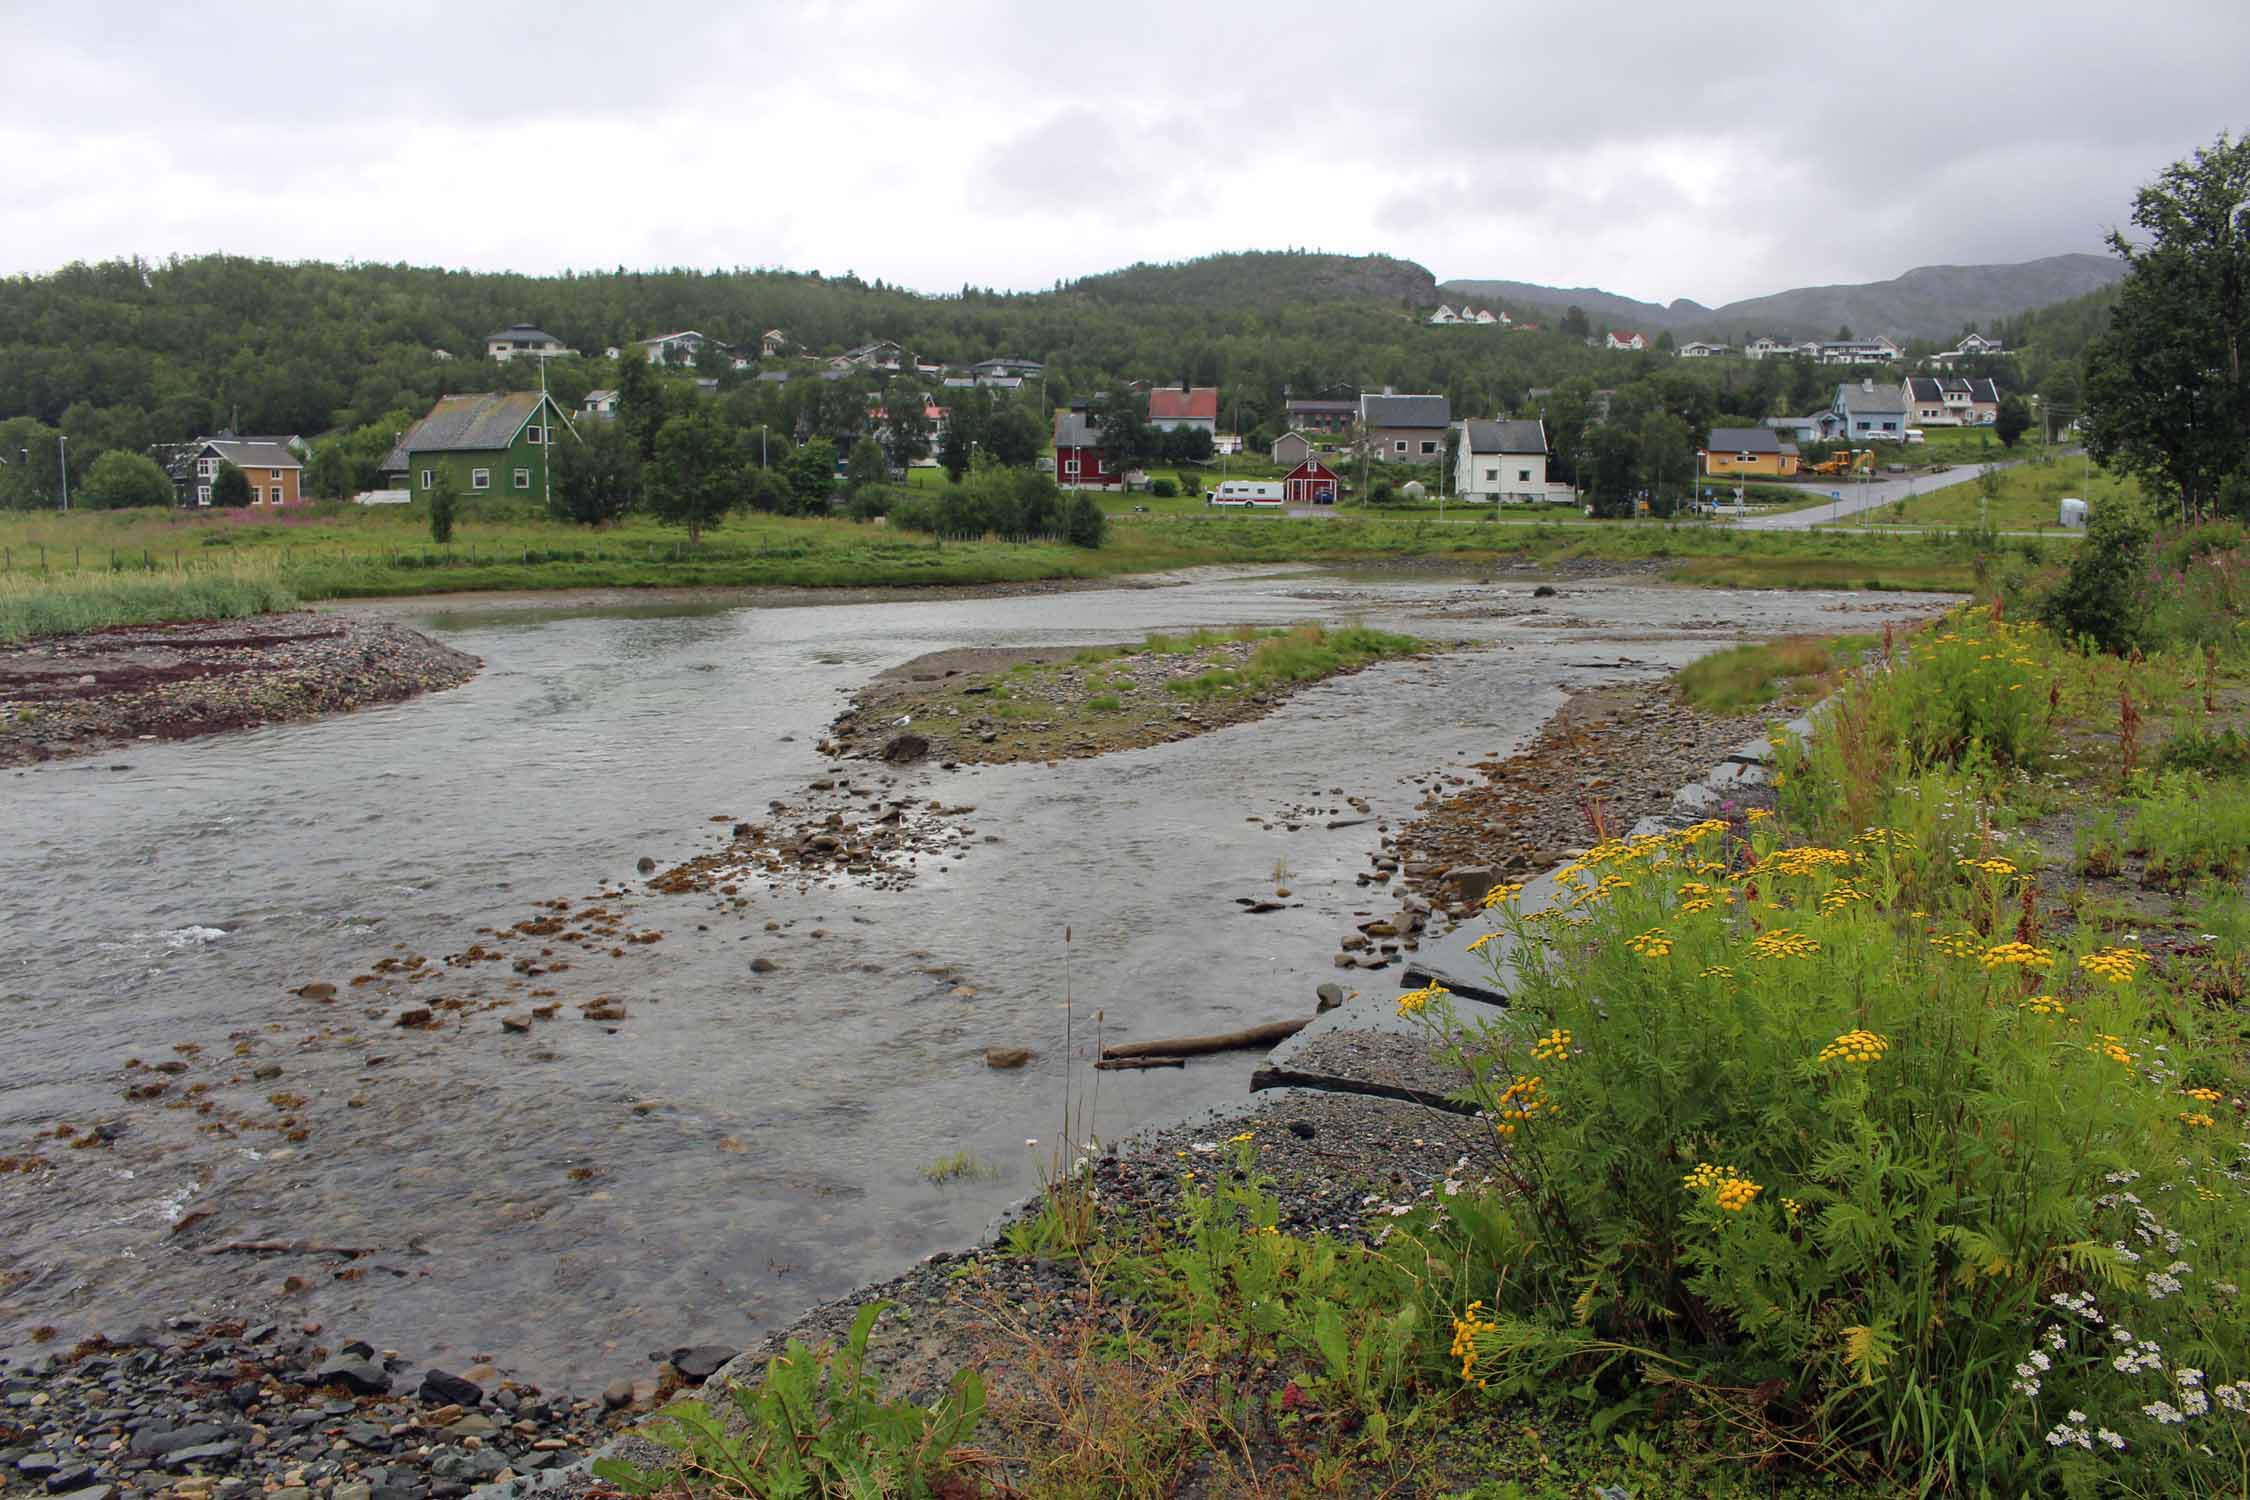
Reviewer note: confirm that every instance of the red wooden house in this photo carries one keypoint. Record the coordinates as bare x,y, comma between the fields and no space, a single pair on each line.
1080,463
1311,483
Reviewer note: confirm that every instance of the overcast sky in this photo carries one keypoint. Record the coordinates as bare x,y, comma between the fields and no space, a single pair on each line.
1655,150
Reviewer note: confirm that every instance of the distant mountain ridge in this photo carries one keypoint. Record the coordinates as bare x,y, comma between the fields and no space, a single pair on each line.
1930,302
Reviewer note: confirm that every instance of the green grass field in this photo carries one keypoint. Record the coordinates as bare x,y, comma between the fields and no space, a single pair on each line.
62,573
2029,498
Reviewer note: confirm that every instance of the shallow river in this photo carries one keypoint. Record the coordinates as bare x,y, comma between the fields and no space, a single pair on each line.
741,1145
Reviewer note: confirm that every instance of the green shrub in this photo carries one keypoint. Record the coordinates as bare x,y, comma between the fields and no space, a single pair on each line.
2100,598
2188,829
1163,489
1847,1175
2226,753
814,1428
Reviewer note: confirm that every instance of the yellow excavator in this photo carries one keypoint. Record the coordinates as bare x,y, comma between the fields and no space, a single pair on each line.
1845,462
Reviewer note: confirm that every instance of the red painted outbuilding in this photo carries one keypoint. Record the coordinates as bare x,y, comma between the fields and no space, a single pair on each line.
1311,483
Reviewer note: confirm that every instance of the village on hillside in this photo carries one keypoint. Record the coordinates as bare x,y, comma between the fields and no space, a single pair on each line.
1318,449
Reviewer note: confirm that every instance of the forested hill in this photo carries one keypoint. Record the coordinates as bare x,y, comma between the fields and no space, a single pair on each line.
1929,302
128,353
1266,279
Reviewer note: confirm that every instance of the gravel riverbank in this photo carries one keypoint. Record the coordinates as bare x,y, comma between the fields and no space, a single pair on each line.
80,694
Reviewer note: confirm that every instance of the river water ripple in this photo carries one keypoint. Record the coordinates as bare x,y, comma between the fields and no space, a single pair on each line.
743,1145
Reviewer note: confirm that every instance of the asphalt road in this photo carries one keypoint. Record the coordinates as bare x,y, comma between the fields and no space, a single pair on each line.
1859,495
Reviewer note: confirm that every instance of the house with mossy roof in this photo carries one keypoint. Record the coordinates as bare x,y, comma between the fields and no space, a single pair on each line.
494,443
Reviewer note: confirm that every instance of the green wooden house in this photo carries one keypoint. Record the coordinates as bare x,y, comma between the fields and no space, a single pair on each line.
491,444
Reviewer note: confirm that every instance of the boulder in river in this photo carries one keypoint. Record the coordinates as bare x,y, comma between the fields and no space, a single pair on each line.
699,1362
1006,1057
905,747
362,1376
444,1389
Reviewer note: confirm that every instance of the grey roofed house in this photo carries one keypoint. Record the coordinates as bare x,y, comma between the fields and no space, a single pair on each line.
253,452
1509,435
1745,440
1074,430
1870,397
1405,411
482,422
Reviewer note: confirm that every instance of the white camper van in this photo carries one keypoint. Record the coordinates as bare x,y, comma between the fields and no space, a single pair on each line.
1245,492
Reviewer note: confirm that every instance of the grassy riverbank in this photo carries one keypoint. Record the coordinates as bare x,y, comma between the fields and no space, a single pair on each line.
1888,1138
992,706
61,573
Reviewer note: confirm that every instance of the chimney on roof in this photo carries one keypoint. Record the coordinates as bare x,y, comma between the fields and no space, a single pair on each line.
1867,383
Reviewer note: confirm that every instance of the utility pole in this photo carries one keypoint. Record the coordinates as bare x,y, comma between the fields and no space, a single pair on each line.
62,465
546,444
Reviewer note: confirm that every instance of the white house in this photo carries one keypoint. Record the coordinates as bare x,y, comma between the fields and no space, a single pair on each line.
1444,316
601,403
1765,347
1624,338
1971,344
1874,351
1701,349
682,348
526,339
1504,462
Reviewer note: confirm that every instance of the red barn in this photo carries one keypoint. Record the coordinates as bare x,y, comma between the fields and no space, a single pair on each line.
1080,463
1311,483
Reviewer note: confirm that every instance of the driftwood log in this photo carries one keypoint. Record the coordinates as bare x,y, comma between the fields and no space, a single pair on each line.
1196,1046
1119,1064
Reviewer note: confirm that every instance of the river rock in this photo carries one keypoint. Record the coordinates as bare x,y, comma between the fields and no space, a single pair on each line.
319,989
645,865
698,1363
763,965
354,1373
1006,1057
415,1018
447,1389
618,1393
905,747
1331,995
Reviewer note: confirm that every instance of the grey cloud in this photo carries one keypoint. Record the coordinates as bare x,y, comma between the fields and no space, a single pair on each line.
1661,151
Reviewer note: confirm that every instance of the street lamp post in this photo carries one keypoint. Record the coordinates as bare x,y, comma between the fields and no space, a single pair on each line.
62,465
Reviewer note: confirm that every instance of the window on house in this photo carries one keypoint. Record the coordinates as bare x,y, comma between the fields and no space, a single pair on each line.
1490,475
273,496
205,468
480,479
1071,467
1428,446
523,479
273,476
1399,446
429,479
532,435
203,494
1523,476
